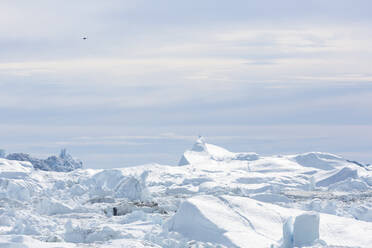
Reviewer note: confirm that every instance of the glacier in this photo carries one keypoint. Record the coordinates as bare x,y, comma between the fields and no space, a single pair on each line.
212,198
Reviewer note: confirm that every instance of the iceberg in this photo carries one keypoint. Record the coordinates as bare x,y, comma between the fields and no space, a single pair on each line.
216,198
64,162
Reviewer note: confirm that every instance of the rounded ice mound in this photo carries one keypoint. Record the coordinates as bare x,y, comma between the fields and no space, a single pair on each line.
340,175
108,178
206,218
113,182
129,188
324,161
192,221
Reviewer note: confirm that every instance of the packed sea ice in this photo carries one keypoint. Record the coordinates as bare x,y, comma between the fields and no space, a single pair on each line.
212,198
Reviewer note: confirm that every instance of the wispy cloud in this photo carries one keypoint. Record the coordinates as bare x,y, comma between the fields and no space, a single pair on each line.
162,73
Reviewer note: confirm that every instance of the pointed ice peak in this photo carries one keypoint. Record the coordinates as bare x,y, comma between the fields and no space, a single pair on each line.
64,162
64,154
200,145
204,152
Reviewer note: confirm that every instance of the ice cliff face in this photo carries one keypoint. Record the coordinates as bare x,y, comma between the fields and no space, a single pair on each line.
64,162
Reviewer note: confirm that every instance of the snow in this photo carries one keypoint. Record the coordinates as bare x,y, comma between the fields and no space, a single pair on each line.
215,198
50,207
236,221
114,182
324,161
200,219
202,152
77,234
338,176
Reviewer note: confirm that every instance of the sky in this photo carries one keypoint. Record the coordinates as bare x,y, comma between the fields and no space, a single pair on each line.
272,77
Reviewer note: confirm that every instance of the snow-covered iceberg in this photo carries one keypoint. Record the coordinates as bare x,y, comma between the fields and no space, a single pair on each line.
242,222
64,162
216,198
203,152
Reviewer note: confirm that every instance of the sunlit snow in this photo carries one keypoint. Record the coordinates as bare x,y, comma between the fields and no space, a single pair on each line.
213,198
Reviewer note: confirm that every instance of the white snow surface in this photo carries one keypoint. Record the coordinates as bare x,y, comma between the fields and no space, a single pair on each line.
214,198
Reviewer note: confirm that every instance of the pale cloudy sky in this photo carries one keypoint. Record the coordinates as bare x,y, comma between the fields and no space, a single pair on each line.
274,77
